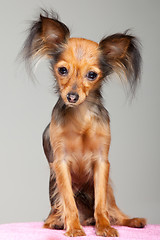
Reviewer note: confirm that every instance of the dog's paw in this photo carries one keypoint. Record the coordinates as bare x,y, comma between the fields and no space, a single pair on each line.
75,232
106,231
54,226
136,222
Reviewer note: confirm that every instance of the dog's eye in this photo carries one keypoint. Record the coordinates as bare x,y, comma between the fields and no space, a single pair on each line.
63,71
92,75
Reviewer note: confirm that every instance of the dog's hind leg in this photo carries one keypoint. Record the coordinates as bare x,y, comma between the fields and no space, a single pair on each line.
117,217
46,145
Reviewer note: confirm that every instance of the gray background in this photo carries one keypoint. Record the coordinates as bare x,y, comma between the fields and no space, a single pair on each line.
25,108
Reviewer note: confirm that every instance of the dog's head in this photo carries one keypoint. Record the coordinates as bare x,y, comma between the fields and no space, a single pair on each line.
80,65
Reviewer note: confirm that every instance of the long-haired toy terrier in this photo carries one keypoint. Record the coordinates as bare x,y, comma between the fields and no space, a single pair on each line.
77,140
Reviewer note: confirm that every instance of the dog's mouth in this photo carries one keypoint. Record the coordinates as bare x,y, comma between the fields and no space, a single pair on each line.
72,97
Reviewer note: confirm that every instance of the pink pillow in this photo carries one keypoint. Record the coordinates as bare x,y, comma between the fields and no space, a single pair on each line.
35,231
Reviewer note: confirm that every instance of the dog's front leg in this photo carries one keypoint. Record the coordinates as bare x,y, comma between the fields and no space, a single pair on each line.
101,176
63,179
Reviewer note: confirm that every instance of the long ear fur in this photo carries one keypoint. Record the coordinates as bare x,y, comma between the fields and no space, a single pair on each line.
45,37
120,53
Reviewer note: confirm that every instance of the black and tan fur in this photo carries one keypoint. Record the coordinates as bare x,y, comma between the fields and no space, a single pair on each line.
77,140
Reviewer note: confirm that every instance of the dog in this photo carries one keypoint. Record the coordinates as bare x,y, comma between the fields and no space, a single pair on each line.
77,140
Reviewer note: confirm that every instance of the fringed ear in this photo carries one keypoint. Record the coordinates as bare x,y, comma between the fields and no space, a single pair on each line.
120,53
45,37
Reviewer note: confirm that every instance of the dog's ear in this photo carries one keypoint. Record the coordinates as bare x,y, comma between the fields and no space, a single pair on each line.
45,37
120,53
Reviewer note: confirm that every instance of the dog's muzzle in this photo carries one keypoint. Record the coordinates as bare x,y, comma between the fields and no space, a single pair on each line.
72,97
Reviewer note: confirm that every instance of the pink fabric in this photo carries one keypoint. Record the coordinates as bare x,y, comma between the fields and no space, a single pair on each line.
34,231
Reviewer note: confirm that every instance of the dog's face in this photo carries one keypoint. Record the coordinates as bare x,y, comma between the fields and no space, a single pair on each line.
77,70
80,65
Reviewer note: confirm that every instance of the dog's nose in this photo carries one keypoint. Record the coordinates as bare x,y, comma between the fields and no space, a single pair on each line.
72,97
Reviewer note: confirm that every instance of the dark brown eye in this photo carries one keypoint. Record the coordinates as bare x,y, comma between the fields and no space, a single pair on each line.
63,71
92,75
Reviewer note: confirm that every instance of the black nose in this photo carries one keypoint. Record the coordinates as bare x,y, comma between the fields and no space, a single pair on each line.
72,97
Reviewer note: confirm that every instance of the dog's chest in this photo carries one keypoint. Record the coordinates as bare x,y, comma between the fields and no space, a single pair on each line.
81,135
83,138
80,156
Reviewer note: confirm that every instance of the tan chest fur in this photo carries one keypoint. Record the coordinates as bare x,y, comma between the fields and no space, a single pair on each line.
79,141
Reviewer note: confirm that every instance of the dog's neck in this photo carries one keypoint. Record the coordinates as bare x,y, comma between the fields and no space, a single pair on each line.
93,99
92,106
